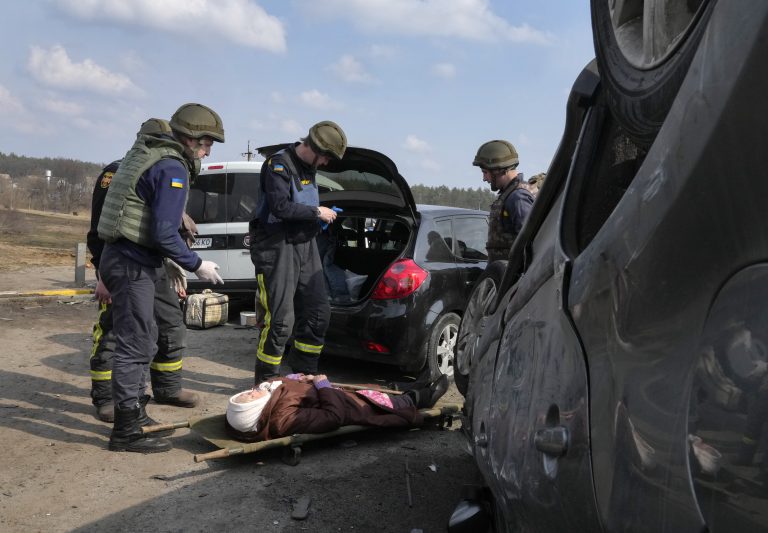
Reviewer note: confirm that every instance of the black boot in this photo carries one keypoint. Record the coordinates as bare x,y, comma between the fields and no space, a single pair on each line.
265,371
146,420
427,397
127,436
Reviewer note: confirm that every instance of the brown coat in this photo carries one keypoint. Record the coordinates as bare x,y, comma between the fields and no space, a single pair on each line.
301,408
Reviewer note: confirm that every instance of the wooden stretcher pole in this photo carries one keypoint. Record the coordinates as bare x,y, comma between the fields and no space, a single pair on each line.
165,427
349,386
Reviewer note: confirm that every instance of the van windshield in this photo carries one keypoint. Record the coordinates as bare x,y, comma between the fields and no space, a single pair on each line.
231,197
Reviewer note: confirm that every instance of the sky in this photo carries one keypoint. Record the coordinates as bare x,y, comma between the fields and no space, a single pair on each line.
425,82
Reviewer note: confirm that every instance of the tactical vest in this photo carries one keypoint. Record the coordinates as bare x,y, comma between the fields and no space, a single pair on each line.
500,242
301,193
125,214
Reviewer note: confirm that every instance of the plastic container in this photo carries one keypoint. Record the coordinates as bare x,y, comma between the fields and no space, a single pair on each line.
247,318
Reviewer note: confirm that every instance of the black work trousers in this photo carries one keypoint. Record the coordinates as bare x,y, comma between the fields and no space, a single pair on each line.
143,304
293,294
165,368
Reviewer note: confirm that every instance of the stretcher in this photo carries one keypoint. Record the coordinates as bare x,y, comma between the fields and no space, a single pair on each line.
211,428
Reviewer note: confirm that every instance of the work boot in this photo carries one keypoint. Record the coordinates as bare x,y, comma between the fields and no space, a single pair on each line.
105,412
146,420
427,397
183,398
127,436
265,371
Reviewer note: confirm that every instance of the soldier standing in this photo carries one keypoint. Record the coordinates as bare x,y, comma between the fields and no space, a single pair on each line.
498,161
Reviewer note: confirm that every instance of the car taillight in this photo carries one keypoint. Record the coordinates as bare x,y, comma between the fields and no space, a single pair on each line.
401,279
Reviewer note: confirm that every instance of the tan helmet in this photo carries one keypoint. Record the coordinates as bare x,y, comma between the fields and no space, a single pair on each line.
197,120
328,139
496,154
155,126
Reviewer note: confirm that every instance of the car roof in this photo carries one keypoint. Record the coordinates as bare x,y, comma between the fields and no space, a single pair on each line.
438,210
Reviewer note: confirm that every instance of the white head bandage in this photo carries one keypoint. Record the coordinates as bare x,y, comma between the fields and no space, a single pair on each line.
245,416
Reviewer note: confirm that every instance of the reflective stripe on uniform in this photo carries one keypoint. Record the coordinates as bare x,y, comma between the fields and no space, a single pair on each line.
308,348
166,367
98,333
266,358
103,375
269,359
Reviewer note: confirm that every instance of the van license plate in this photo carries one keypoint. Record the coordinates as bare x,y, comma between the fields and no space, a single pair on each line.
202,242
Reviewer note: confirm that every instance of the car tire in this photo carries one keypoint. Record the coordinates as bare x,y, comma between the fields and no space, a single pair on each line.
641,89
473,321
441,349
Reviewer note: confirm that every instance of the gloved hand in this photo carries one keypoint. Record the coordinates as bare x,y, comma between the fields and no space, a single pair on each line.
102,294
177,276
208,272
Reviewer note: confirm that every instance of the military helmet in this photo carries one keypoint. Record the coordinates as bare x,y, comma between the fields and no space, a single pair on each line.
197,120
328,139
154,126
496,154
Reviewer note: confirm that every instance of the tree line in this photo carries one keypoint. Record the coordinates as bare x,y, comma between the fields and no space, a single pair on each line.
71,185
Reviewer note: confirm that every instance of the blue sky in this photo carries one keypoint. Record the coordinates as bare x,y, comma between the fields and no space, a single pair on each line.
423,81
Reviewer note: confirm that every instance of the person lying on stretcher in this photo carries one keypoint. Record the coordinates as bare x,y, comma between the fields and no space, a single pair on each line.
298,403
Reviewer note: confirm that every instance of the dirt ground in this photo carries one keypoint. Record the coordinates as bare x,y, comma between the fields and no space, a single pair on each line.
56,473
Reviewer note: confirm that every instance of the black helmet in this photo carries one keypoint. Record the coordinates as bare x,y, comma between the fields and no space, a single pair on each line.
496,154
197,120
328,139
155,126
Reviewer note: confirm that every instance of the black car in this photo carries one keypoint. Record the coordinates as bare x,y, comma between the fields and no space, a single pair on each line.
399,274
616,369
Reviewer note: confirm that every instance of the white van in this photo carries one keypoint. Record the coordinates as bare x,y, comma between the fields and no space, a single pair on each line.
222,200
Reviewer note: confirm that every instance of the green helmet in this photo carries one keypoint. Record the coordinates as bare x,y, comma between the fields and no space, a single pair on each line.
496,154
197,120
328,139
154,126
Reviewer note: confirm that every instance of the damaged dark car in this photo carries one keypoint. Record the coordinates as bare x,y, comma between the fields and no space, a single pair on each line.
615,369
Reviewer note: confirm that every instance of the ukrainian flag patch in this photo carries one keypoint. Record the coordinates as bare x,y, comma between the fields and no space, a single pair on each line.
177,183
278,168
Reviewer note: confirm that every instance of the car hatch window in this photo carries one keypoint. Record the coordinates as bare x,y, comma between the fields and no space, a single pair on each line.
207,199
471,233
243,196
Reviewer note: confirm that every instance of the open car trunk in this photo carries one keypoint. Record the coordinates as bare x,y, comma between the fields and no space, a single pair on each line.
357,250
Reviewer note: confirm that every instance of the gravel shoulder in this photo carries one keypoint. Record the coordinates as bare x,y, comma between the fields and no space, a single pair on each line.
57,475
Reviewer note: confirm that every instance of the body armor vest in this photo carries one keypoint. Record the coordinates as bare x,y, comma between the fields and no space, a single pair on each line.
125,214
500,242
305,193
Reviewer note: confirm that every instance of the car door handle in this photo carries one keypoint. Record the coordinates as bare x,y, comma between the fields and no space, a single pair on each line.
552,441
245,252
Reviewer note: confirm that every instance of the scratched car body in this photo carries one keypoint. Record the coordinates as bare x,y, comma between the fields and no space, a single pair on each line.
615,370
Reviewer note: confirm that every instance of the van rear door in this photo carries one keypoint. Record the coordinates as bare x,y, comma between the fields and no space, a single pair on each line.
207,205
241,208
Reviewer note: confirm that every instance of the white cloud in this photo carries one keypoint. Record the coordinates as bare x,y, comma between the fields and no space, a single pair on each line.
54,68
444,70
9,104
291,127
62,107
241,22
277,97
21,119
317,100
414,144
463,19
351,70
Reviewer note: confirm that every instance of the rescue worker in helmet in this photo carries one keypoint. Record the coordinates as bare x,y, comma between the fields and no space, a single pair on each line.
165,369
289,270
139,223
498,162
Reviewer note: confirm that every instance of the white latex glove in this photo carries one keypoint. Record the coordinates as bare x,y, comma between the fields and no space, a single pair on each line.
101,293
208,272
177,276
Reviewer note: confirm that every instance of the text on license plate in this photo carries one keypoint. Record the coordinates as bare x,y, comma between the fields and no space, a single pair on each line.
202,242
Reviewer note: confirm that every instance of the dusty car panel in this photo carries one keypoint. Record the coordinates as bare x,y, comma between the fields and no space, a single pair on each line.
630,325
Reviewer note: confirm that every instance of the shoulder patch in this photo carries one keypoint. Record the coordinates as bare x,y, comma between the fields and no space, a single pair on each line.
278,167
106,179
177,183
